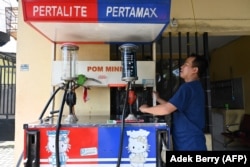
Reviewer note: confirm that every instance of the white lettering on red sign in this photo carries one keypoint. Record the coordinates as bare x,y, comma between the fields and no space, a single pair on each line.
131,12
101,69
59,11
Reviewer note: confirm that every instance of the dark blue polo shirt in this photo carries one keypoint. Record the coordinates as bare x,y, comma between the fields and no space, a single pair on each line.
189,119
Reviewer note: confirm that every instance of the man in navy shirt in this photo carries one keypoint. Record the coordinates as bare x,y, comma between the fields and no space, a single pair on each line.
187,106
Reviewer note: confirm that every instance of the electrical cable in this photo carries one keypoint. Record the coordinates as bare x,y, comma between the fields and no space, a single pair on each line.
122,126
194,15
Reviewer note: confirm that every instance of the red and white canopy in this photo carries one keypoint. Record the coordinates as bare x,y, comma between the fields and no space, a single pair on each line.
98,21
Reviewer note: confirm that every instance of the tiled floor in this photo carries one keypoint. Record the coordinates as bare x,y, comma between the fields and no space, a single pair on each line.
6,153
218,145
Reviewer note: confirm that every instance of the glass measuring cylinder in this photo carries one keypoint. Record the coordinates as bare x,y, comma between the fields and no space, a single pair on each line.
69,58
129,65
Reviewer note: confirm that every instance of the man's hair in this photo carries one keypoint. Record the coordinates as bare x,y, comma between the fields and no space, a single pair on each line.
201,63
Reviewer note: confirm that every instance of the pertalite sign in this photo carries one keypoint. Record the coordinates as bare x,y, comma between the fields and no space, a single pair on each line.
59,11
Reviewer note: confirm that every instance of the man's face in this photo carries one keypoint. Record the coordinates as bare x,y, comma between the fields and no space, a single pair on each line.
187,70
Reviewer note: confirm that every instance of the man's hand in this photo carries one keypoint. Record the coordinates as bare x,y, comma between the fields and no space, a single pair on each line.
142,107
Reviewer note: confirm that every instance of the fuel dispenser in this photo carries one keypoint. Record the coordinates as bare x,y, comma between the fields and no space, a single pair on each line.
129,74
75,141
67,140
72,81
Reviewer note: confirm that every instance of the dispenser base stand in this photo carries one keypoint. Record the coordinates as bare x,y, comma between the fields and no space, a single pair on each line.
131,117
71,119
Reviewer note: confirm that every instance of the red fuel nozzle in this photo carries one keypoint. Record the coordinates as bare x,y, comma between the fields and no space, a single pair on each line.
131,97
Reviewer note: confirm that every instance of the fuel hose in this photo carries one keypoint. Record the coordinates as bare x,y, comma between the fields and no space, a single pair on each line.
122,126
59,126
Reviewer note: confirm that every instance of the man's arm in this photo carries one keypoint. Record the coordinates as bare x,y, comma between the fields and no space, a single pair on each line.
165,108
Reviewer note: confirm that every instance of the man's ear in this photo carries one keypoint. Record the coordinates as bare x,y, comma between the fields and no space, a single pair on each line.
195,69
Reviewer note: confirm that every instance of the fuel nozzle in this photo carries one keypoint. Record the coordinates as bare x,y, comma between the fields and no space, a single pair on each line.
131,99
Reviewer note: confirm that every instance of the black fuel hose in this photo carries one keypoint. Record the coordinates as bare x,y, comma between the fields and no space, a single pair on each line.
122,126
49,101
59,125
